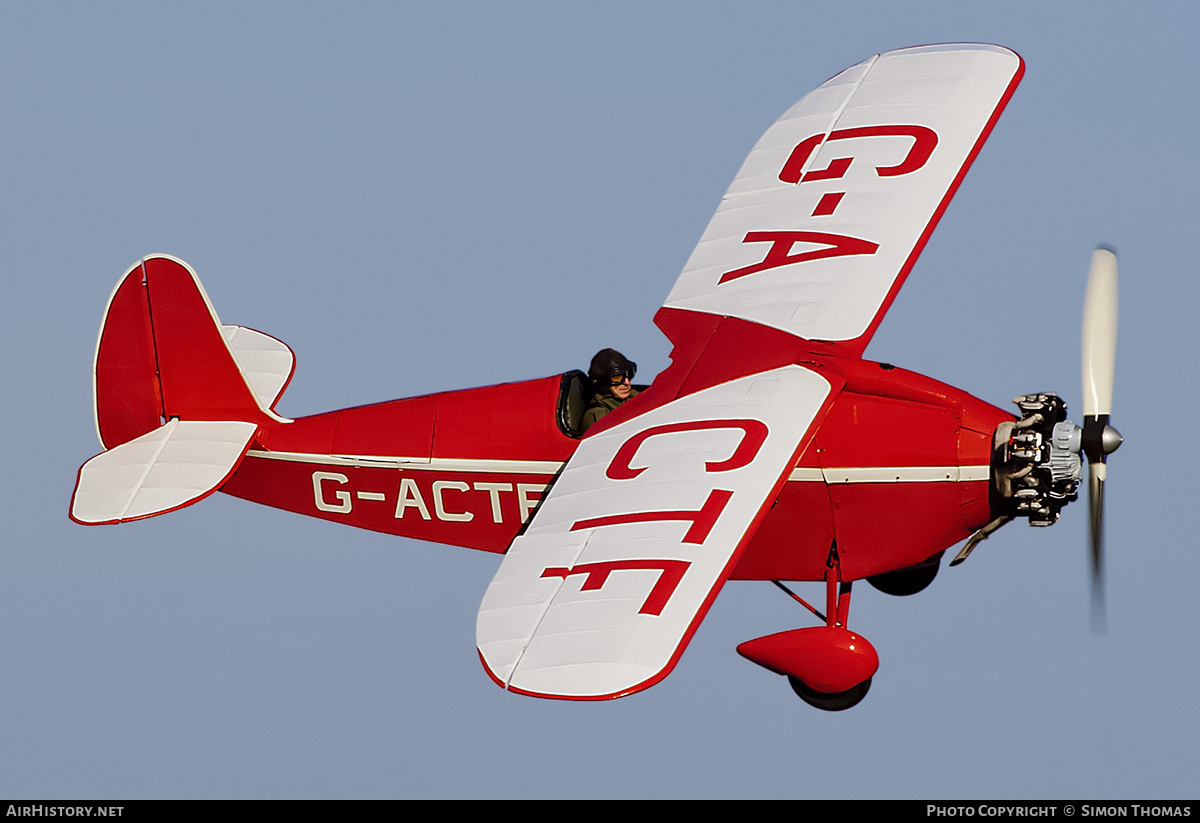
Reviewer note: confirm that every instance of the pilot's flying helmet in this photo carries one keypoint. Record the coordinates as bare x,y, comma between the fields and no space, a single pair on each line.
610,364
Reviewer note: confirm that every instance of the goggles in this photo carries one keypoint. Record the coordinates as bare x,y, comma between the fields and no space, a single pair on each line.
620,376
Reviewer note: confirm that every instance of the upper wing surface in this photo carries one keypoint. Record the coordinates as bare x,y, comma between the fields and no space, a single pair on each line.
835,202
623,557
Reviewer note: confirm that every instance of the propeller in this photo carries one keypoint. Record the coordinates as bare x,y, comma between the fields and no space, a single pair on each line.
1099,355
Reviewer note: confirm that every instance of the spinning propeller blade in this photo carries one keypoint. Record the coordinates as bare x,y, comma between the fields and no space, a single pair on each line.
1100,334
1099,354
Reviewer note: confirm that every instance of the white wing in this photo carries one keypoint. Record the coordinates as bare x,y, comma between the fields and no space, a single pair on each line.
599,597
832,207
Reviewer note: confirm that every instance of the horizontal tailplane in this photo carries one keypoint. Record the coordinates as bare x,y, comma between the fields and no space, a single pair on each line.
169,468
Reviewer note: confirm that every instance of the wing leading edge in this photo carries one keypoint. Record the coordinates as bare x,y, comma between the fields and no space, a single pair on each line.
600,596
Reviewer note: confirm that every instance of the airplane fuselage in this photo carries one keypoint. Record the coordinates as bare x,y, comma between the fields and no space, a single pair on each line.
897,472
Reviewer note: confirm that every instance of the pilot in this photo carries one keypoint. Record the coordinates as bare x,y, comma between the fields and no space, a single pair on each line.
612,384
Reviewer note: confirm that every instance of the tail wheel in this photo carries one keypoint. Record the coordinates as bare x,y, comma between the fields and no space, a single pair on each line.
835,702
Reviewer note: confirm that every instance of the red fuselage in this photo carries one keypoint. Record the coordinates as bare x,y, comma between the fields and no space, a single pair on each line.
897,471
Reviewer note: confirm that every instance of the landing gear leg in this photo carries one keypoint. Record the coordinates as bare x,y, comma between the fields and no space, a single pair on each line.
837,610
828,666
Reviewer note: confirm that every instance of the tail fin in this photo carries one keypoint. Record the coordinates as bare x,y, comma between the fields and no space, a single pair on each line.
163,354
178,396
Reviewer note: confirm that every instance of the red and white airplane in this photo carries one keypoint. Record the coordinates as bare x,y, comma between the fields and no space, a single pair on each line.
768,450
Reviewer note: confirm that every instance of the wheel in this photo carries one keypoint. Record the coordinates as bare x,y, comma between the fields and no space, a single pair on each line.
904,582
835,702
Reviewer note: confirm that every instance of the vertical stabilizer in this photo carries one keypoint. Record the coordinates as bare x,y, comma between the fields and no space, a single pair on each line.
163,354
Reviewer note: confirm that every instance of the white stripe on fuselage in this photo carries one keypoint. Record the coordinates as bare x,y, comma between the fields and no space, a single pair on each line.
893,474
855,474
445,464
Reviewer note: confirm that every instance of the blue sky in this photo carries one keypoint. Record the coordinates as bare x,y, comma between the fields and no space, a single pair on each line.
419,197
